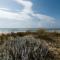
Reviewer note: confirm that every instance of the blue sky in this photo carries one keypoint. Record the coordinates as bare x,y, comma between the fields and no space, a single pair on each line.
49,7
29,13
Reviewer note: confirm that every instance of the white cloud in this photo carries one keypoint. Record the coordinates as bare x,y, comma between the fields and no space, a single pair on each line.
24,15
27,5
12,15
4,9
44,18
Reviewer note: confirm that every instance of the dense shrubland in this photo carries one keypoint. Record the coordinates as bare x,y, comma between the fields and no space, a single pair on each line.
39,45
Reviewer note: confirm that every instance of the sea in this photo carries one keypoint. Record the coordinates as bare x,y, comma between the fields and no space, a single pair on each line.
8,30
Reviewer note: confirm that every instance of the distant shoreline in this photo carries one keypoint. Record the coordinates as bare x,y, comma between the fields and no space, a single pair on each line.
17,30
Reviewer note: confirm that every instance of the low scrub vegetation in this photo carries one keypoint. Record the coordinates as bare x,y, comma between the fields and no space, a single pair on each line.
48,42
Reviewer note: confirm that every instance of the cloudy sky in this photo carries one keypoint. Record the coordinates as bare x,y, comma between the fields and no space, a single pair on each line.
29,13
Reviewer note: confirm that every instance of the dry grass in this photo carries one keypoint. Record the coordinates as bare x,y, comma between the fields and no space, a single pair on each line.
52,38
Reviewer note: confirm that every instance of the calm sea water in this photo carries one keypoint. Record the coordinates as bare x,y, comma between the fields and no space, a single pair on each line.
24,29
16,29
12,30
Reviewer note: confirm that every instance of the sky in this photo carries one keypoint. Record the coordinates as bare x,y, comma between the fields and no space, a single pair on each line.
29,13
